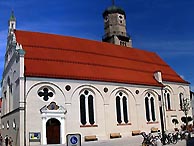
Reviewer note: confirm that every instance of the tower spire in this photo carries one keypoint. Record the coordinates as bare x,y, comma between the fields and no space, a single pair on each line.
12,22
113,2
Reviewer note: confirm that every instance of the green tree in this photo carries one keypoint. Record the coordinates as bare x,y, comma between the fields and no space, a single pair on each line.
185,108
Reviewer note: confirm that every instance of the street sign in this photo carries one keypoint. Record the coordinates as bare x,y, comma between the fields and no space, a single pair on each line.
73,140
34,136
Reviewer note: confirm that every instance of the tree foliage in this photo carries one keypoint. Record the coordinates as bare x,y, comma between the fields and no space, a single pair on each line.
185,108
186,119
175,121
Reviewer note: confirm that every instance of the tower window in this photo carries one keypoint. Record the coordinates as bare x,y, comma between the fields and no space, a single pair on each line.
106,19
122,43
121,17
12,25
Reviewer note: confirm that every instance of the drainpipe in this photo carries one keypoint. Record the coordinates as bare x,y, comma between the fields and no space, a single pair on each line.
24,109
158,78
160,98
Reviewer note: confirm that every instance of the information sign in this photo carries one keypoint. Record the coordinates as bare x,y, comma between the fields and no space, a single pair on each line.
73,140
34,137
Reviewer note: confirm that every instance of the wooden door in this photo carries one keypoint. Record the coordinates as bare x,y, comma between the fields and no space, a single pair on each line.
53,131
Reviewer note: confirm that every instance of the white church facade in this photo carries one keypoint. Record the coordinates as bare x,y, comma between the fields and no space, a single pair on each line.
57,85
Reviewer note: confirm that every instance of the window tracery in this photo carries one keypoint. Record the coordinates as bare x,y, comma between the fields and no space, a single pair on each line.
87,107
45,93
150,107
122,108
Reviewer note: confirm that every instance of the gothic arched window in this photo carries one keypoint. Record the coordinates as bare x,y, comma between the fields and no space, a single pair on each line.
82,110
181,100
147,109
122,107
118,108
150,108
167,97
87,114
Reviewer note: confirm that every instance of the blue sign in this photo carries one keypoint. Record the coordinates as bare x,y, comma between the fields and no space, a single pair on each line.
73,140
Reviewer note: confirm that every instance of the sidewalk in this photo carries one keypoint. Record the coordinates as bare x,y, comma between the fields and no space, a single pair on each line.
127,141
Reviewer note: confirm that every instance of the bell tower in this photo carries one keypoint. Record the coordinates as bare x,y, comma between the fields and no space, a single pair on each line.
115,26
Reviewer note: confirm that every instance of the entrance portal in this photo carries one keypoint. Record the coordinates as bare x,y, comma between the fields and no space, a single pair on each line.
53,131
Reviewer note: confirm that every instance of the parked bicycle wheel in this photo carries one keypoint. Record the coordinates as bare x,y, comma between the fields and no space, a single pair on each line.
173,139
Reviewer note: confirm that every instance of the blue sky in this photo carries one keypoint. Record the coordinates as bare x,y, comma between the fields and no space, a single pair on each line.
162,26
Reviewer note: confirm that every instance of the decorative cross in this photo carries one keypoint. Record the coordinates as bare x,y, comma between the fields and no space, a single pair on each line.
46,94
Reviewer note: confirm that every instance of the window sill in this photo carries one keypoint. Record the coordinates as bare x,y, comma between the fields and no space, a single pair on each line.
152,122
88,126
124,124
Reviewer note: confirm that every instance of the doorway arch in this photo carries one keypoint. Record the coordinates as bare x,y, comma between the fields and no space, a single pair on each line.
53,131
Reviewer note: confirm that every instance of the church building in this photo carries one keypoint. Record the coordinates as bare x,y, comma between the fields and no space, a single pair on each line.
56,85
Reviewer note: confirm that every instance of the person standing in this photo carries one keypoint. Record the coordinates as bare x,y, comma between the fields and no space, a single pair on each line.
1,140
6,140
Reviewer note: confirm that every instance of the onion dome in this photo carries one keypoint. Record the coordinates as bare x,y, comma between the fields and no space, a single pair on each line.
113,9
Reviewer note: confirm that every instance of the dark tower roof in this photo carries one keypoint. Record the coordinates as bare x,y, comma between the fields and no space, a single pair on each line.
113,9
12,17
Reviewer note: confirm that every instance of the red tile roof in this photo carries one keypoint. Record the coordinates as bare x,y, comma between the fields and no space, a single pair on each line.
55,56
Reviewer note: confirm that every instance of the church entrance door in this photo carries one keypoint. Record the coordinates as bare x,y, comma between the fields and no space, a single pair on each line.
53,131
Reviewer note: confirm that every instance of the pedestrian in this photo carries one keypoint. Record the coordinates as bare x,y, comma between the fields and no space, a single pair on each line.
1,140
6,140
10,141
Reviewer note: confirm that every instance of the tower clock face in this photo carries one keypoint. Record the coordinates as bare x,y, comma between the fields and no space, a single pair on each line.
121,17
106,19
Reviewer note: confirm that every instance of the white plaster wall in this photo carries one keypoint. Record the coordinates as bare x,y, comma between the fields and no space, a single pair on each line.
11,109
13,132
105,107
35,103
104,102
176,89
